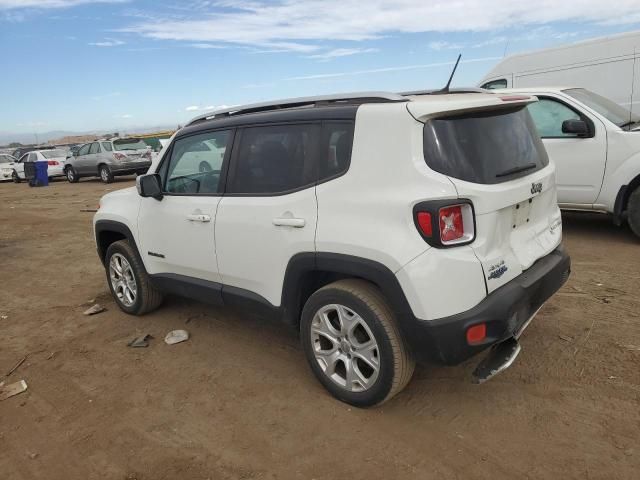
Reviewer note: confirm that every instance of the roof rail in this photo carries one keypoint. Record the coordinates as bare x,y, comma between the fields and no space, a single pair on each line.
361,97
440,92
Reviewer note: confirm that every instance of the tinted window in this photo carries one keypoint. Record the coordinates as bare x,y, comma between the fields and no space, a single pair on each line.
84,149
275,159
129,144
492,85
335,151
548,116
605,107
95,148
32,157
485,147
53,153
196,162
107,146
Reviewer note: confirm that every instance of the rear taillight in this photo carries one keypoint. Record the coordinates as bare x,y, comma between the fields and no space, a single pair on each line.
53,162
119,156
445,224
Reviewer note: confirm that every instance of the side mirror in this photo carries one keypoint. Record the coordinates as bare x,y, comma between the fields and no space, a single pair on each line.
149,185
575,127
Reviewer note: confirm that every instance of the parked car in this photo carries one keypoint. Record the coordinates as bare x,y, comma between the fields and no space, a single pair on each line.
387,228
19,152
6,166
109,158
595,144
606,66
55,159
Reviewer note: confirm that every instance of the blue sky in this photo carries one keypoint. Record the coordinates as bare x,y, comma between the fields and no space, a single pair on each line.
84,65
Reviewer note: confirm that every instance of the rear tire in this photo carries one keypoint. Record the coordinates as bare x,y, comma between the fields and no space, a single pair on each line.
345,323
128,280
105,174
71,174
633,212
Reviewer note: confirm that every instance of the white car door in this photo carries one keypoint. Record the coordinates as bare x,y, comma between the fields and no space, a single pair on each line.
269,210
177,233
580,161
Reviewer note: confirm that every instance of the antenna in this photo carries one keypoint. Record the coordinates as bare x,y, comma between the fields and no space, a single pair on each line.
455,67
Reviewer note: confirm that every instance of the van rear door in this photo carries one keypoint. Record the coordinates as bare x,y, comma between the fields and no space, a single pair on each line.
494,157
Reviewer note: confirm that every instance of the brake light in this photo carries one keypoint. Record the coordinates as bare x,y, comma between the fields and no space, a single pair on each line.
53,162
451,223
119,156
443,224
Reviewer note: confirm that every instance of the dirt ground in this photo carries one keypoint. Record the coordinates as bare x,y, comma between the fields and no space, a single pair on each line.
237,401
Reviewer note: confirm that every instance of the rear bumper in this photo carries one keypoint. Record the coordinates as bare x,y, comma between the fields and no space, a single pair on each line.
505,311
130,167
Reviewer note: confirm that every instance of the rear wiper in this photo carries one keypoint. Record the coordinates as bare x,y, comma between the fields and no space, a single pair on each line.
514,170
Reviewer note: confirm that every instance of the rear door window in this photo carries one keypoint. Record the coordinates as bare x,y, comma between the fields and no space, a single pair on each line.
335,151
484,147
95,148
275,159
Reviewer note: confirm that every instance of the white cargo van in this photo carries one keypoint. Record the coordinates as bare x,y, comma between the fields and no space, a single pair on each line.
608,66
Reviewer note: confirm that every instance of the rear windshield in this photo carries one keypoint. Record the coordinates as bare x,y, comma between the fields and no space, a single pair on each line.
129,144
484,147
54,153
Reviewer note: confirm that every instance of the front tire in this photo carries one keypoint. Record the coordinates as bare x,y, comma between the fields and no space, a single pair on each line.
128,280
106,175
15,177
633,212
353,345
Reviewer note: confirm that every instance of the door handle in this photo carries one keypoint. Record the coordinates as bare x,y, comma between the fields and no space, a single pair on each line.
289,222
199,217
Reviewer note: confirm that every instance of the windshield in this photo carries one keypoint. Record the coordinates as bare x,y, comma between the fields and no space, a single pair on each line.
54,153
129,144
6,159
605,107
484,147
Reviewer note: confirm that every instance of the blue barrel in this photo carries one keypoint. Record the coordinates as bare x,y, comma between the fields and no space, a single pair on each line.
42,178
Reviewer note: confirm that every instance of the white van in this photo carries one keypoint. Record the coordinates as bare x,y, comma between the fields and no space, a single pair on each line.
608,66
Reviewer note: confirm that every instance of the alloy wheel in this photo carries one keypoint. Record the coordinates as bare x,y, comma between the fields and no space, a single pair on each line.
345,348
123,281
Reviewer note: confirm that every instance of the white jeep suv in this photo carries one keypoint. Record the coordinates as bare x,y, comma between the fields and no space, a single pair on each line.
387,228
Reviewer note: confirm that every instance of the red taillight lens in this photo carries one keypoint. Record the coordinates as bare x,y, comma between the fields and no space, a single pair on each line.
119,156
53,162
451,223
424,222
476,334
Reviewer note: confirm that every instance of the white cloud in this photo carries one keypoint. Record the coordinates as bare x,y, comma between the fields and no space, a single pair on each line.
341,52
205,45
108,42
388,69
17,4
445,46
192,108
126,116
301,26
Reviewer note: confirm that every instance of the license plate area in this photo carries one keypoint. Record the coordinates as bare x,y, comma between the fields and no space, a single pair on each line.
521,213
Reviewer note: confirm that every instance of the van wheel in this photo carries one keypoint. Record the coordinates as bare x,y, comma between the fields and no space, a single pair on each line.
128,280
15,177
71,174
105,174
352,343
633,211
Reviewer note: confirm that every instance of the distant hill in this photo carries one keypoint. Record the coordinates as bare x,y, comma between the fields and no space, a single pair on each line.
45,137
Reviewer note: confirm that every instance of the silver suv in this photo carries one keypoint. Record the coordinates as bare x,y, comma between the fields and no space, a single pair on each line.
109,158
